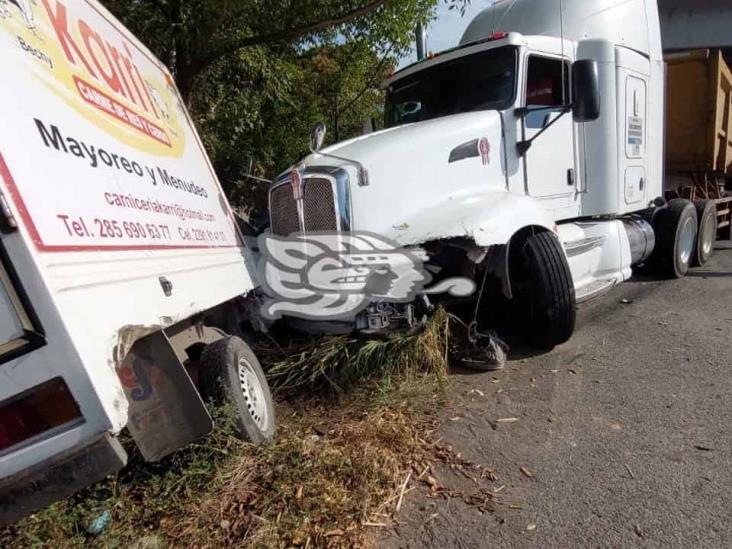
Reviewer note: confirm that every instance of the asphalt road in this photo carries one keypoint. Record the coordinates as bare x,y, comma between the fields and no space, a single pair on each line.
627,431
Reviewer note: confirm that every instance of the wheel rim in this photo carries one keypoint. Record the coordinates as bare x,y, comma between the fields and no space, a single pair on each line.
709,234
687,240
253,393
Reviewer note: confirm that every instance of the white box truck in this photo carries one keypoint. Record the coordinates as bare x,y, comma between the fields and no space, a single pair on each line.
121,263
530,157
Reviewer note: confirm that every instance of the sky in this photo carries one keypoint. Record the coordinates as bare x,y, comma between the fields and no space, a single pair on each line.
448,28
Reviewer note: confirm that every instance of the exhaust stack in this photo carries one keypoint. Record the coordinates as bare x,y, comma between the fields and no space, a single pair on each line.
421,42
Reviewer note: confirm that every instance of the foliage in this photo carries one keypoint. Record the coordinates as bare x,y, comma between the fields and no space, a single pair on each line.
333,467
338,363
257,75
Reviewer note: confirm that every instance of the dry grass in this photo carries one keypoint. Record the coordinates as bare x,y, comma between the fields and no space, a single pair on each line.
330,471
339,363
340,460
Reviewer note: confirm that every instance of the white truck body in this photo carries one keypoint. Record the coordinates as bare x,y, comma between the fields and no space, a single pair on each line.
577,179
123,229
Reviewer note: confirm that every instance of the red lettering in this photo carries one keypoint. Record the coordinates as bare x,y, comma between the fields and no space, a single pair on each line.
116,57
131,66
60,25
89,37
128,67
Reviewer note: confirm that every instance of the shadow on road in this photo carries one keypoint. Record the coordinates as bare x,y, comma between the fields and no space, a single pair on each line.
709,274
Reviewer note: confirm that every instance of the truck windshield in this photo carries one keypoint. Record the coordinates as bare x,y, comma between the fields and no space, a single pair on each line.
481,81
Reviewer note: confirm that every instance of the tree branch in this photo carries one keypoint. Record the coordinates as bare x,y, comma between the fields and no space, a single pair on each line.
374,77
188,72
289,34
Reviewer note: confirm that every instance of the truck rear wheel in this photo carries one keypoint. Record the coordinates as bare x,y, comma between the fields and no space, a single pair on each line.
543,290
231,374
706,212
676,236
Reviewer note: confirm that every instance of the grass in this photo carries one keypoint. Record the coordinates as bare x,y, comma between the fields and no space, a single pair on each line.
350,429
339,363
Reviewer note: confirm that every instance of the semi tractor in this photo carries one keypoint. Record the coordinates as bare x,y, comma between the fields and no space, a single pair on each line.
122,269
530,158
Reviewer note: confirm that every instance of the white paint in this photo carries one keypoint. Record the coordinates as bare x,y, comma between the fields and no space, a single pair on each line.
600,266
85,296
415,195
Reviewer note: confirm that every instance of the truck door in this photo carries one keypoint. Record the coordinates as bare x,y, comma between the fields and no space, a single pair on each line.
550,162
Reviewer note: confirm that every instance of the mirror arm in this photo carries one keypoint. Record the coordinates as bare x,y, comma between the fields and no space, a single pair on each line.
363,174
260,179
521,112
525,145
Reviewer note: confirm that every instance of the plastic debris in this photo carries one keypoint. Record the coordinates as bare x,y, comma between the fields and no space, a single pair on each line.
100,524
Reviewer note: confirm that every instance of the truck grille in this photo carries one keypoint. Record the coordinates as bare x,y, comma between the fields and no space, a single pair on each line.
318,207
283,211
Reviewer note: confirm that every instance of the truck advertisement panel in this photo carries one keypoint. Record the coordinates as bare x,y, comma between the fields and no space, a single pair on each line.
96,149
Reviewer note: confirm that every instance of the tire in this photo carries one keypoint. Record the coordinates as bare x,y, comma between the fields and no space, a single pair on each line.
676,231
231,374
706,212
543,290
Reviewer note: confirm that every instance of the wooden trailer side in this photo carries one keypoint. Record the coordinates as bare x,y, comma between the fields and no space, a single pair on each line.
698,122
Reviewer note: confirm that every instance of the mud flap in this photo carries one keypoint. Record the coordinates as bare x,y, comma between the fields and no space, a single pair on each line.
166,411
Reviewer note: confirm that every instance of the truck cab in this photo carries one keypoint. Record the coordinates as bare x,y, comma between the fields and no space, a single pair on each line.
535,148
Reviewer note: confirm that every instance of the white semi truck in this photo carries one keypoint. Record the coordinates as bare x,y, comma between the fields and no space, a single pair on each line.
121,264
530,157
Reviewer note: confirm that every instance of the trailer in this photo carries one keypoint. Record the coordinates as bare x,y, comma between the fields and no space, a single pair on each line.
699,131
123,274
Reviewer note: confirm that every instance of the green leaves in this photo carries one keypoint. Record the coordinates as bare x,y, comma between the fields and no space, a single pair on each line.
258,74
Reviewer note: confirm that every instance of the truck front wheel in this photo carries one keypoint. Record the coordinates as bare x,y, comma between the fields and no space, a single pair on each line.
231,375
676,232
543,290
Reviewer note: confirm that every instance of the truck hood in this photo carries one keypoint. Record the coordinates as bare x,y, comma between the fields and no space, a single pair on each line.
424,179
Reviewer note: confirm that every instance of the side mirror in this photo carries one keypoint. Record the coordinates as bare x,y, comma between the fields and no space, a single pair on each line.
317,136
585,91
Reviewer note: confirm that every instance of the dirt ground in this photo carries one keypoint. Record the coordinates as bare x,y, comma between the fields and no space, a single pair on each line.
622,437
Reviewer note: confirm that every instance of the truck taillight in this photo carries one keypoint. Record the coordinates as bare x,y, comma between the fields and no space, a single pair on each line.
44,408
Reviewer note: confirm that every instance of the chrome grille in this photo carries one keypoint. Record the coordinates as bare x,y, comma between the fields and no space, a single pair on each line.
319,206
283,211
